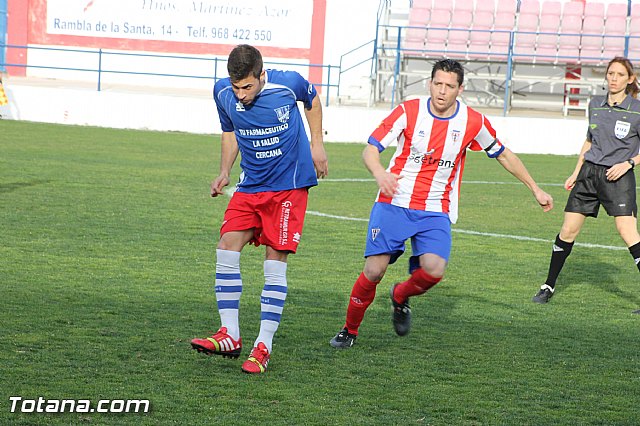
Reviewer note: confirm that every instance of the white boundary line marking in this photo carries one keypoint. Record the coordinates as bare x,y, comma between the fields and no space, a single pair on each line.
483,234
480,182
229,192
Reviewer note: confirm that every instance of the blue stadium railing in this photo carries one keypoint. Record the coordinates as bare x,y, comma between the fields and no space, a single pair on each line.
3,30
218,66
332,77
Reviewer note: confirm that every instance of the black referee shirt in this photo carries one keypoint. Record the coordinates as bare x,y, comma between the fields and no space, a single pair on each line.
614,131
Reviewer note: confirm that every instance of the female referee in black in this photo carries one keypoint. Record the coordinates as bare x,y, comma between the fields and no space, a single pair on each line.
604,173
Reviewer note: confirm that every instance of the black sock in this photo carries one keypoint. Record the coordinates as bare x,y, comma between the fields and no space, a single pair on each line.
635,252
561,250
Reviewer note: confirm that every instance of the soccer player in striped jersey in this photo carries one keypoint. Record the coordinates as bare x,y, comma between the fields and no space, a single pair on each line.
418,193
260,119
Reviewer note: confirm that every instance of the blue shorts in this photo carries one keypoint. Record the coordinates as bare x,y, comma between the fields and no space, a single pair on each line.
390,226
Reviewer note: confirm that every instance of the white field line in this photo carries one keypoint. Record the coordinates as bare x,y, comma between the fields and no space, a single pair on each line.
483,234
481,182
229,192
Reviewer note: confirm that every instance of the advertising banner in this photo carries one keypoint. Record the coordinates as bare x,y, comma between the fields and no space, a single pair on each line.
283,24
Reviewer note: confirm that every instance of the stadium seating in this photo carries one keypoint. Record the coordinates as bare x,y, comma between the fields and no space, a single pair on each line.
423,4
634,33
570,30
557,34
438,32
417,32
503,24
547,44
482,24
542,31
615,28
592,33
461,21
527,28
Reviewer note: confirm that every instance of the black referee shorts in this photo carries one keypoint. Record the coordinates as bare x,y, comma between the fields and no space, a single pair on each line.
592,189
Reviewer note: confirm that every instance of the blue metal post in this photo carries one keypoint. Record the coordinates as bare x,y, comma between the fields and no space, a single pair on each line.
507,86
626,36
99,69
374,63
3,34
396,72
328,84
339,78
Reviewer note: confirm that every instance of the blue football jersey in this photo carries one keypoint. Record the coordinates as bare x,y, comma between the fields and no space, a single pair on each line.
273,143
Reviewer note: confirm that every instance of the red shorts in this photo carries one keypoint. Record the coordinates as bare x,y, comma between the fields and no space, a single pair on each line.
276,217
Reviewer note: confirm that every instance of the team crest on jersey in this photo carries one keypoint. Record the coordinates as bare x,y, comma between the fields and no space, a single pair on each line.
239,106
455,135
374,233
622,129
283,113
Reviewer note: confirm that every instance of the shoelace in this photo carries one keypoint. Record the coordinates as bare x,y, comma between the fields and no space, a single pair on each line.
259,355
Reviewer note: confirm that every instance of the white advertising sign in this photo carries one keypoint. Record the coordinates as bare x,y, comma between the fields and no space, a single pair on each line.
277,23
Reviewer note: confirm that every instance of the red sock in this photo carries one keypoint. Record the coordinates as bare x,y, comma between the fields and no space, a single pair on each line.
418,283
362,294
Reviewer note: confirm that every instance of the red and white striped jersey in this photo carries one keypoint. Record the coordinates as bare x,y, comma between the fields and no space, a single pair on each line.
431,153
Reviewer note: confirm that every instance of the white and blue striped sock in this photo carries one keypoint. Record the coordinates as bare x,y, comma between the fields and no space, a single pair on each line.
228,290
272,300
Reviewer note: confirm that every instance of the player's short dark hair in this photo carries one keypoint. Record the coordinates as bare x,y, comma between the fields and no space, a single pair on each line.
244,61
449,65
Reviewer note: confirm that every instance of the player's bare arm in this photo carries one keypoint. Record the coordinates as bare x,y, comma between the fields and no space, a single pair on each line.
571,180
229,153
387,182
318,154
512,163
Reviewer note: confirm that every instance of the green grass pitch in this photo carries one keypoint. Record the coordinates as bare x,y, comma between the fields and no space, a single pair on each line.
107,242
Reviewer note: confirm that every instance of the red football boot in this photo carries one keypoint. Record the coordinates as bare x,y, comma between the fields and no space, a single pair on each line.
219,344
258,360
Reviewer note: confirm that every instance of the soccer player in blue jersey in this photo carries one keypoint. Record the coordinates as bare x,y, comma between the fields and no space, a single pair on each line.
260,119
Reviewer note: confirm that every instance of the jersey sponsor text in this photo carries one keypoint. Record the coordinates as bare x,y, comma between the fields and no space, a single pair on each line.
265,131
269,154
266,142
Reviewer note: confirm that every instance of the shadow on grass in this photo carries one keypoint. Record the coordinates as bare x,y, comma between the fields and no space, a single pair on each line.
13,186
592,271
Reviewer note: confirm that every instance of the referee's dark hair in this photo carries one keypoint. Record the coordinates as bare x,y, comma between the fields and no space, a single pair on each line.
244,61
449,65
632,88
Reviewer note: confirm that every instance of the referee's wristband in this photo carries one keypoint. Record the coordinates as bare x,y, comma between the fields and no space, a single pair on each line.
633,163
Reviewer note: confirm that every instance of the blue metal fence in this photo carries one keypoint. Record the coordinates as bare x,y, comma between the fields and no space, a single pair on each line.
331,76
3,32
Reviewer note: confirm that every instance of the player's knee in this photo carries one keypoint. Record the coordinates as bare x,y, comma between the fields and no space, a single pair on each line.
435,271
569,232
434,266
223,245
628,233
374,274
234,240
